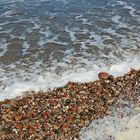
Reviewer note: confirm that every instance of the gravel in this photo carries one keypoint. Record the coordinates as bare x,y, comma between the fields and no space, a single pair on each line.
61,113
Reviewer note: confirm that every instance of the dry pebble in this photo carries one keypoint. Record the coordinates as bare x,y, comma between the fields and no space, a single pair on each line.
60,114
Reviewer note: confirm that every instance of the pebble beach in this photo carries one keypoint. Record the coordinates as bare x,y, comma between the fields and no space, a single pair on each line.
69,69
61,113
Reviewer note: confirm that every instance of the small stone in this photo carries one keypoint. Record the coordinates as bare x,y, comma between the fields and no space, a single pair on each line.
6,117
110,101
45,126
7,129
45,114
73,109
98,94
108,112
5,106
55,126
79,109
8,110
103,75
18,126
64,127
18,117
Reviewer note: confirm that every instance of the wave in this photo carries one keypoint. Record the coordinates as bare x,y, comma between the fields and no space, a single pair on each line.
50,80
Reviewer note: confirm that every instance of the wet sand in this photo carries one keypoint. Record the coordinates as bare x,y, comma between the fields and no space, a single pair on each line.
61,113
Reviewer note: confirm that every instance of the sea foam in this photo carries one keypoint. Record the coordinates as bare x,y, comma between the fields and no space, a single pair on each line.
50,80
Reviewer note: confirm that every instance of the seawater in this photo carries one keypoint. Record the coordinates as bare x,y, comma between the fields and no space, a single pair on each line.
46,43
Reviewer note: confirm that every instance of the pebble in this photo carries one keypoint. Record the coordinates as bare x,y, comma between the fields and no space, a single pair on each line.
103,75
60,114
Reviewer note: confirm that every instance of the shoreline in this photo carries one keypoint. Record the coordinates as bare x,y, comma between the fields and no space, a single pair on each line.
62,112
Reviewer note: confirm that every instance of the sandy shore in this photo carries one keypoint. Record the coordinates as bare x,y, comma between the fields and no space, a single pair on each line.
61,113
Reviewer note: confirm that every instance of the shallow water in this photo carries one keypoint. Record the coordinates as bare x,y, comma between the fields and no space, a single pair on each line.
46,43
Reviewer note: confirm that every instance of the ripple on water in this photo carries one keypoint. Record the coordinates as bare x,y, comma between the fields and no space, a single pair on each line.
63,37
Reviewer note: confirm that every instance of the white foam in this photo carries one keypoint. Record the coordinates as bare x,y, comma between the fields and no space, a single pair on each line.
84,20
50,79
121,2
113,32
126,6
44,0
9,13
4,47
64,1
132,10
10,1
117,19
5,23
25,47
71,34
